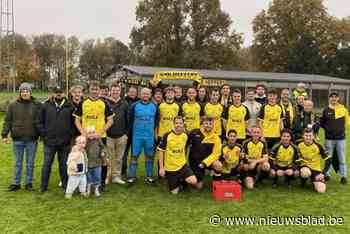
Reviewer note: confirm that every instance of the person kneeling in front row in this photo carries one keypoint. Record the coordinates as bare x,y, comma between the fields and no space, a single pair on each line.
172,157
205,151
231,157
311,155
256,162
284,159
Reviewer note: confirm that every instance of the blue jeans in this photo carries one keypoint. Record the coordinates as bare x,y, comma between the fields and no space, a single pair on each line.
49,155
339,146
18,148
94,175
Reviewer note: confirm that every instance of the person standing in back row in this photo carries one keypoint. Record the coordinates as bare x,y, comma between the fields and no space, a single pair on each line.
76,98
226,98
94,111
254,109
191,111
20,122
117,135
236,117
261,94
143,123
271,120
55,124
131,98
213,109
288,109
334,120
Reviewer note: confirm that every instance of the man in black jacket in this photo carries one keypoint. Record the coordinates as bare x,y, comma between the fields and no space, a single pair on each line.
334,120
117,134
20,122
55,123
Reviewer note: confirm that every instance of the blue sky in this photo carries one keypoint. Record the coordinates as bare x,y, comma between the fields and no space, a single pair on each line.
97,19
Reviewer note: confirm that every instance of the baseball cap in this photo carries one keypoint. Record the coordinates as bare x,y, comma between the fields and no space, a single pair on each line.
333,93
57,89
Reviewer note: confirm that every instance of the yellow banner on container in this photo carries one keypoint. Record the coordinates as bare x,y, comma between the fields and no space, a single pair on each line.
177,75
214,83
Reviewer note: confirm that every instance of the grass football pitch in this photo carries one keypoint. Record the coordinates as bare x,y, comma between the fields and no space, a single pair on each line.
143,209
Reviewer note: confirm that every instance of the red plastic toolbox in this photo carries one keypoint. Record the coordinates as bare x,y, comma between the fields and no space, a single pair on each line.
226,190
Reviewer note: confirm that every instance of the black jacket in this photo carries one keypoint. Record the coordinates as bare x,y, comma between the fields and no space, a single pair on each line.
76,131
302,120
204,148
120,119
334,127
131,101
20,120
56,123
261,100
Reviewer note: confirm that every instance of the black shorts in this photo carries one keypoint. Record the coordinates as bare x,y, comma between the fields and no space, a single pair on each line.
314,174
271,142
198,172
282,168
250,173
175,178
235,173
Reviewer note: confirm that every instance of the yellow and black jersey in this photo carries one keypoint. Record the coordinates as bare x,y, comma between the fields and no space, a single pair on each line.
192,113
236,117
205,147
271,117
311,155
174,146
284,156
215,111
254,150
94,113
233,160
167,114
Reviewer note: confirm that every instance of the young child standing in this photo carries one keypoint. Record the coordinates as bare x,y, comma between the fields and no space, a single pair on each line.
96,154
77,168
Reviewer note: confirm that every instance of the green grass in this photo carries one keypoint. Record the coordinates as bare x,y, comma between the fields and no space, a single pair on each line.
141,209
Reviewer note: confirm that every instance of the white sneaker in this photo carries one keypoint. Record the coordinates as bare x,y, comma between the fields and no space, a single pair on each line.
68,195
97,191
118,180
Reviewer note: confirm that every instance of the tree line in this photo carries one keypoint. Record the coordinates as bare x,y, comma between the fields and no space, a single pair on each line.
297,36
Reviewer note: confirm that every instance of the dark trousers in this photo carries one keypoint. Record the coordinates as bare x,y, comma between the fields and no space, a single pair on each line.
104,169
49,156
